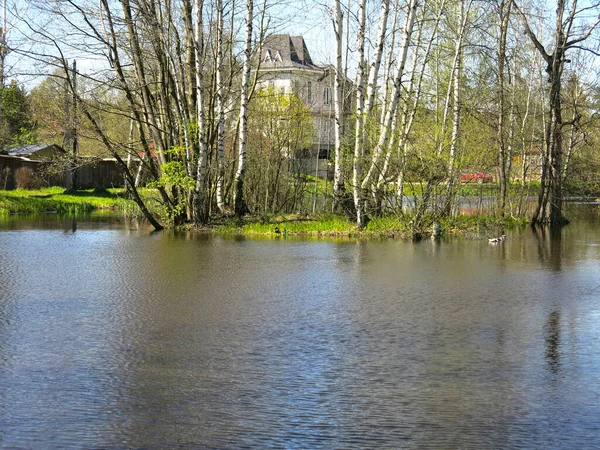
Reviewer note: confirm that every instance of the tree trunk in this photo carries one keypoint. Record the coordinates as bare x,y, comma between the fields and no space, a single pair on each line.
415,93
338,177
220,111
386,126
456,107
239,203
360,117
504,16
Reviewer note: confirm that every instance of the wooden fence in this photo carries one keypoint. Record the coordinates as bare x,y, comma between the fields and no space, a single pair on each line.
17,172
99,174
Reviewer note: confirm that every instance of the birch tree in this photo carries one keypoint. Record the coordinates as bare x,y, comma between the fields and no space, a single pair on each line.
504,7
239,203
414,94
387,127
364,112
360,93
338,99
220,110
456,75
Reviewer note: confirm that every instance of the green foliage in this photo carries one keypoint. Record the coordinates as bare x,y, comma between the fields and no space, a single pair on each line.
174,174
16,124
174,177
280,135
51,106
49,102
282,120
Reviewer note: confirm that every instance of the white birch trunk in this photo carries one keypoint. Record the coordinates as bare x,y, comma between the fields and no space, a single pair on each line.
360,116
338,177
456,107
220,111
512,118
524,122
240,204
201,164
376,64
463,18
396,92
405,112
416,95
388,71
147,98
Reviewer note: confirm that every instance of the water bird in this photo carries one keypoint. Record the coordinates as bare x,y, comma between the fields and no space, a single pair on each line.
276,230
495,240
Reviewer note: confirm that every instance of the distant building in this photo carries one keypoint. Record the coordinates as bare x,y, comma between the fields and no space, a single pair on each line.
36,152
286,66
533,161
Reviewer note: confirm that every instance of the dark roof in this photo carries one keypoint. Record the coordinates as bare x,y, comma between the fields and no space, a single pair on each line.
283,51
28,150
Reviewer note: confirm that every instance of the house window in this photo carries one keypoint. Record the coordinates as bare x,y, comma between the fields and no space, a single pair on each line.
309,97
268,56
296,88
327,96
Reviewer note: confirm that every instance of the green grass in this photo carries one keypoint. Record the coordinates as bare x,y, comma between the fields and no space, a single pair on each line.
338,225
493,189
321,224
57,200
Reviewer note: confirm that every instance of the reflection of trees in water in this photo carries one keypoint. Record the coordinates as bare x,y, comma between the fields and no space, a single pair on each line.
549,246
553,341
555,248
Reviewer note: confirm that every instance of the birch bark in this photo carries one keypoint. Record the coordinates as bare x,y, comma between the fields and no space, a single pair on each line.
240,206
338,176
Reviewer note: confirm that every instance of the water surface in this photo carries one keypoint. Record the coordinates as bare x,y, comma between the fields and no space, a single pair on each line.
119,338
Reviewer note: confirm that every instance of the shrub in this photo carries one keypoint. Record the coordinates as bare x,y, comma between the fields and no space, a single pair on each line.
26,178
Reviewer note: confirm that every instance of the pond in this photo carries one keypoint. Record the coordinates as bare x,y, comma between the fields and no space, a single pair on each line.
115,337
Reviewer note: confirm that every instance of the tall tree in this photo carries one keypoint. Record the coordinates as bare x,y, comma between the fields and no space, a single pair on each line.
567,35
504,7
240,204
338,100
360,116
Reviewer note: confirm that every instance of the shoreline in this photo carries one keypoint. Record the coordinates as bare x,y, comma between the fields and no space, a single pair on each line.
58,201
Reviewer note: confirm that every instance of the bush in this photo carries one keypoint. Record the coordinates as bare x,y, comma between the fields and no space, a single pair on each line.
26,178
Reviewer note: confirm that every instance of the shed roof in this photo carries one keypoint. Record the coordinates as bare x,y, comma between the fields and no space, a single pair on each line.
28,150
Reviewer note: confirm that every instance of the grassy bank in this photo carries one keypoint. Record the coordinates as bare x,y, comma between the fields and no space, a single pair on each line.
57,200
337,225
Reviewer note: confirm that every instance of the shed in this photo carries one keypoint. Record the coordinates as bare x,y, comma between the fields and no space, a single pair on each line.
37,152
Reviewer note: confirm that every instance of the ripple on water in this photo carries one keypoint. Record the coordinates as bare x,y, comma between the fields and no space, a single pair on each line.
115,340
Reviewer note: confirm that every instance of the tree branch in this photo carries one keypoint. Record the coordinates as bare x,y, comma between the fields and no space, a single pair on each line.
538,45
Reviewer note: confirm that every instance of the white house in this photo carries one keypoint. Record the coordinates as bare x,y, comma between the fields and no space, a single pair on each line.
286,66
